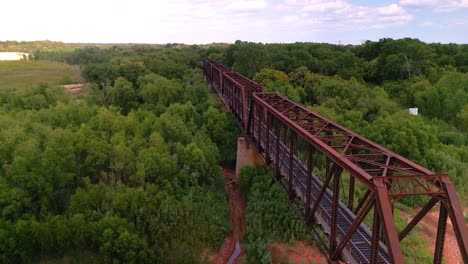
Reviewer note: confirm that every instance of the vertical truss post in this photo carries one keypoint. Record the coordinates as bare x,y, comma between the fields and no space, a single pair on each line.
385,207
249,130
441,228
278,137
228,96
267,141
224,90
244,108
334,212
310,168
234,102
375,236
254,116
220,84
211,76
292,150
259,127
456,215
221,87
235,99
239,104
231,100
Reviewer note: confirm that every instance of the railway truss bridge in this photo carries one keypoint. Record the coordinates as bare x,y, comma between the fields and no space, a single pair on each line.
342,184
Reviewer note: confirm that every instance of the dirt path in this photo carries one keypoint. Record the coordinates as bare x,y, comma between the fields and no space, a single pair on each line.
451,252
297,252
75,89
429,231
237,204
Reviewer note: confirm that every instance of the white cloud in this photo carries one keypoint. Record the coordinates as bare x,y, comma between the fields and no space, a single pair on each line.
325,6
427,24
392,9
419,3
341,14
443,25
289,19
461,22
247,6
436,5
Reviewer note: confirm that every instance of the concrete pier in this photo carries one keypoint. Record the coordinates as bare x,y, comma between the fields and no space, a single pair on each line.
247,155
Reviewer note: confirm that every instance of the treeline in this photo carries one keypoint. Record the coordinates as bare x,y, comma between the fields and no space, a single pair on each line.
34,46
384,60
128,172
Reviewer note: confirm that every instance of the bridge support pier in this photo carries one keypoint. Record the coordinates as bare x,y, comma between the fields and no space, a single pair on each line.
247,155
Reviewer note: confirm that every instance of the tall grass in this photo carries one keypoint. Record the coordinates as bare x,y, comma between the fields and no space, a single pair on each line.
24,74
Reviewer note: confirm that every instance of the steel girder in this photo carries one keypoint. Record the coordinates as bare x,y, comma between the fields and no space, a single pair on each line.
234,89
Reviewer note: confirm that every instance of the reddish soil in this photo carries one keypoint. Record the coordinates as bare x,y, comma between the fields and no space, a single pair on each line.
298,252
225,252
237,204
429,224
75,89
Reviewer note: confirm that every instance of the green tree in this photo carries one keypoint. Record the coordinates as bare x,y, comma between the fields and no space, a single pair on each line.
248,58
275,80
123,95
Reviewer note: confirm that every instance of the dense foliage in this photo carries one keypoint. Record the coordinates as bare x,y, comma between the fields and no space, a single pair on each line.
269,216
128,172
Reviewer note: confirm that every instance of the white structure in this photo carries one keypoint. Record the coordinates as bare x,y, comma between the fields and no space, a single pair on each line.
413,111
12,56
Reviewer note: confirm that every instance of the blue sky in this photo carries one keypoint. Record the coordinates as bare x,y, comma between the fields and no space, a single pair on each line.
203,21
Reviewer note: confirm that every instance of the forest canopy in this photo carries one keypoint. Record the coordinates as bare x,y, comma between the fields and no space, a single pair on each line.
129,171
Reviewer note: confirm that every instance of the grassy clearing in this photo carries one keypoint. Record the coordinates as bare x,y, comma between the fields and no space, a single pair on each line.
24,74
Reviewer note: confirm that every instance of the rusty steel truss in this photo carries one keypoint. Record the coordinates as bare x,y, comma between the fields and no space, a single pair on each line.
342,182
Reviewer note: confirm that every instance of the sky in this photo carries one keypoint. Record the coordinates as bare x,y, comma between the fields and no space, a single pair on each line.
203,21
